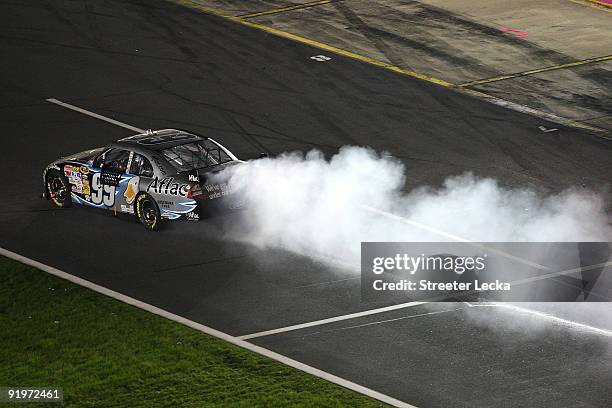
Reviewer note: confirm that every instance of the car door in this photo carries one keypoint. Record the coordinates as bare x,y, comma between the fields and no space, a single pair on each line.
139,174
110,180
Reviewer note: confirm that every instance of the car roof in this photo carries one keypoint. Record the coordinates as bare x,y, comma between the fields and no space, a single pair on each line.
157,139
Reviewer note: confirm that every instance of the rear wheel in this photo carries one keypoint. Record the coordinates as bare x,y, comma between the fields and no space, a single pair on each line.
58,189
147,212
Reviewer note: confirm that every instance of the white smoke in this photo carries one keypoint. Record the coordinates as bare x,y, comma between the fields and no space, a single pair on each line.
322,208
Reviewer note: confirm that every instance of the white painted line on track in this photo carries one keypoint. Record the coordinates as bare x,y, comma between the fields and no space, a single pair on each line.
564,322
94,115
207,330
326,282
358,326
564,273
330,320
568,323
457,238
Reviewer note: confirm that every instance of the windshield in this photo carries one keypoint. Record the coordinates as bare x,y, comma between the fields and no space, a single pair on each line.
197,155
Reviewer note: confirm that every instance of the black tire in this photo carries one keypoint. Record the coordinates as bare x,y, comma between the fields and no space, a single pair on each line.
58,189
147,212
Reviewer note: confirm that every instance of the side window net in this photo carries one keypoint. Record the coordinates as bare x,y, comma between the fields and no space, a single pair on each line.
141,166
116,160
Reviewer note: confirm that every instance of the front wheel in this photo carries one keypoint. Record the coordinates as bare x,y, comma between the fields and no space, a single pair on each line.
58,189
147,212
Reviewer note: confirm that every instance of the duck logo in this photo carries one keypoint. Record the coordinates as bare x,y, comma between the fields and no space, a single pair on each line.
131,190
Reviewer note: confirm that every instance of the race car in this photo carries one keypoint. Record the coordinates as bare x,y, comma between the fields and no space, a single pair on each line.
155,175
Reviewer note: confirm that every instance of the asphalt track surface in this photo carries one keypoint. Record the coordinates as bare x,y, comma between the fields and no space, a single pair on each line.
155,64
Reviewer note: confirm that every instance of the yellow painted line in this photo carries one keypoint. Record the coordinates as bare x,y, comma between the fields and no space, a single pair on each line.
601,3
284,9
594,5
536,71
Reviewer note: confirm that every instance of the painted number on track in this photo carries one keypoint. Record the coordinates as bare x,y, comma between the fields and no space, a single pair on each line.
320,58
545,130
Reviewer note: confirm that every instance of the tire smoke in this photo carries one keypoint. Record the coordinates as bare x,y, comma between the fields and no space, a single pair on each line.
319,208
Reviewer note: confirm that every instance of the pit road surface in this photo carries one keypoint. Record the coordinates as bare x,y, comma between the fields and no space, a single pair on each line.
154,65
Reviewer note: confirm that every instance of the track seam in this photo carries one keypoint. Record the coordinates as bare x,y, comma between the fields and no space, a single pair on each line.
536,71
285,9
